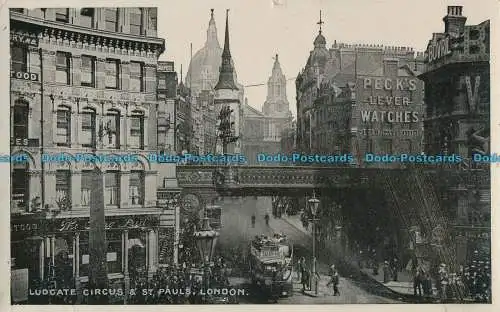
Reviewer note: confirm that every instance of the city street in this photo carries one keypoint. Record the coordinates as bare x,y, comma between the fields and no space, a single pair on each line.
237,230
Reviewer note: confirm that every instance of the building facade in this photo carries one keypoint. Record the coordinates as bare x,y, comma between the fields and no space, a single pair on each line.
201,78
83,83
457,92
262,131
359,99
168,191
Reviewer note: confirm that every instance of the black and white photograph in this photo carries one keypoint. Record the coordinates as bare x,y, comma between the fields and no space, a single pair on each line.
250,152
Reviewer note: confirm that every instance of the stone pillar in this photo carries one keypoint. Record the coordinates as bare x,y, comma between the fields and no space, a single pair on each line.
42,258
124,186
76,265
147,253
152,252
100,68
50,188
126,277
76,186
150,196
52,252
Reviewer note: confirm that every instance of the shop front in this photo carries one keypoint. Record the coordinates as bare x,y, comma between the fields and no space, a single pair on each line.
58,254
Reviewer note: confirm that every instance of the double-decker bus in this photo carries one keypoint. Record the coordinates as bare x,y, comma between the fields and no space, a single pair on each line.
270,261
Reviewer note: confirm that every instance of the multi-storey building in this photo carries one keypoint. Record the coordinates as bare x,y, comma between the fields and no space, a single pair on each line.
288,139
83,83
360,98
457,92
168,191
184,139
262,131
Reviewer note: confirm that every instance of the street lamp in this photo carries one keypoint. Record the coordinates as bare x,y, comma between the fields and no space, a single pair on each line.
206,239
313,206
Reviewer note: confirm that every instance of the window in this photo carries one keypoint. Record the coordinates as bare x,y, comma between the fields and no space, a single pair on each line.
137,131
63,131
20,122
163,126
112,126
386,146
112,188
153,17
136,27
112,74
87,17
474,49
19,58
88,134
86,187
136,76
62,15
474,34
111,19
17,10
136,188
62,67
88,71
162,81
63,186
20,185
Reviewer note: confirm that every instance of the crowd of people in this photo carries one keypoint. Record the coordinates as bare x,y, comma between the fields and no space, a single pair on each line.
182,284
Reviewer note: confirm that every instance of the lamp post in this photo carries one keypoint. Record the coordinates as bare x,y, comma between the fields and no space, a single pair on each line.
206,239
313,206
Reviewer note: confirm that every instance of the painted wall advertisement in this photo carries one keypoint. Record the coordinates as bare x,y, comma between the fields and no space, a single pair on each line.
390,106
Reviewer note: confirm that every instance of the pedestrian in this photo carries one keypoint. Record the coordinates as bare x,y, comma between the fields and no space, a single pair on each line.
443,279
253,220
417,282
305,279
266,217
387,272
395,269
427,284
334,280
299,268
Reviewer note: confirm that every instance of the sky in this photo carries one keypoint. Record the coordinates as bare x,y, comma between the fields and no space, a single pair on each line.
259,30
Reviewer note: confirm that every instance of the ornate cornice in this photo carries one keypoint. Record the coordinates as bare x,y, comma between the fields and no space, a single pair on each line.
30,29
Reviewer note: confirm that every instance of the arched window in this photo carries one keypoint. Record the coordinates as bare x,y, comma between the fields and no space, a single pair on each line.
63,128
137,130
20,116
88,133
112,129
136,25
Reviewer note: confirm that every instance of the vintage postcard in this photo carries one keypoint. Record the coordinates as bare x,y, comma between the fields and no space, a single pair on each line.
283,152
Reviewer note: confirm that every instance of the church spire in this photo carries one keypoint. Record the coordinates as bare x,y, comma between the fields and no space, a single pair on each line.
212,31
226,77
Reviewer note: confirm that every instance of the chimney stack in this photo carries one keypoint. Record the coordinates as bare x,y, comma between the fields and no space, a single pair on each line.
454,21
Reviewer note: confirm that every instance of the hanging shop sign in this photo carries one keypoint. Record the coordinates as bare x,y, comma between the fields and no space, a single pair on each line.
24,75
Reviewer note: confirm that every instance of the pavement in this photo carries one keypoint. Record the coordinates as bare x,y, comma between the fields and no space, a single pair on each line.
237,229
404,285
